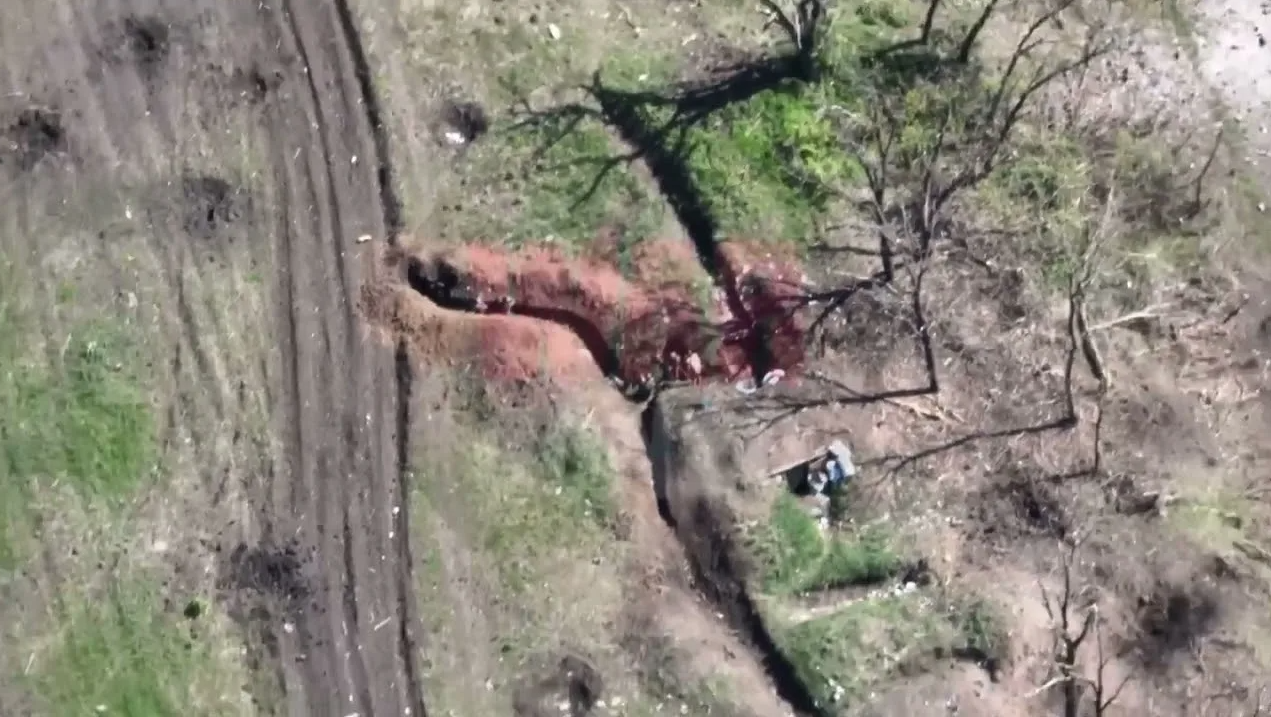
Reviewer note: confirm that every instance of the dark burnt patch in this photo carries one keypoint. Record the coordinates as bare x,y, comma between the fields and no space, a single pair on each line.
1173,618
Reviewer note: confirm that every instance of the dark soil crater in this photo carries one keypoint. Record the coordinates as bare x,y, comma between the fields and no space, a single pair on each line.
32,135
1173,619
147,40
1019,506
469,119
271,571
211,205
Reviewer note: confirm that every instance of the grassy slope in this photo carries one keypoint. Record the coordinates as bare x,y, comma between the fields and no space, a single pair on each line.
520,565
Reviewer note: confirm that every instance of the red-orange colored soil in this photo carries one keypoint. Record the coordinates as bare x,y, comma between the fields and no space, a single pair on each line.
539,313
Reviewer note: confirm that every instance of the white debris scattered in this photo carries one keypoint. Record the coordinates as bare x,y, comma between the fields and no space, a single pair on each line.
288,628
553,30
456,138
362,240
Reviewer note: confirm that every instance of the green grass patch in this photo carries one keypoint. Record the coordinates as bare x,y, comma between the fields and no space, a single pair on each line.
794,555
123,655
529,510
527,535
773,165
1216,520
1043,192
553,180
769,167
1050,173
80,418
575,464
841,656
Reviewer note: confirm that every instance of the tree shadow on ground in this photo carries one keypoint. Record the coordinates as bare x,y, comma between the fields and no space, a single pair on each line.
657,127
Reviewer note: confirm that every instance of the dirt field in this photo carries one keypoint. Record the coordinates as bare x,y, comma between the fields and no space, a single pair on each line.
384,359
209,167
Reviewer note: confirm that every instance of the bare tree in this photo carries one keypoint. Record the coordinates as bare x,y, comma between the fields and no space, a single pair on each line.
918,160
1074,619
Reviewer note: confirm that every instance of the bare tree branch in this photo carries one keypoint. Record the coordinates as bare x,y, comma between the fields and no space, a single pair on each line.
1069,637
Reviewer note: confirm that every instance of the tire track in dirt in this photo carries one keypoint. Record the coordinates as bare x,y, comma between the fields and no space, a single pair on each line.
355,508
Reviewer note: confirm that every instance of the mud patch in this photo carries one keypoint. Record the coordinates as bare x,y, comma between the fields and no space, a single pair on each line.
570,686
210,206
32,135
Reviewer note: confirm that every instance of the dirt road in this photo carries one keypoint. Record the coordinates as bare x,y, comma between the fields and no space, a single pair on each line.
139,98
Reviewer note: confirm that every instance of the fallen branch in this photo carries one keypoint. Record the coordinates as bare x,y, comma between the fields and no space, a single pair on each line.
1152,312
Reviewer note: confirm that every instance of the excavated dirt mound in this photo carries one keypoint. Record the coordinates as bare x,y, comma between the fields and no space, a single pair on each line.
537,311
499,347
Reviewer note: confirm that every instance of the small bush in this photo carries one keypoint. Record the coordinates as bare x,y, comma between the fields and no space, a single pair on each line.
981,631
